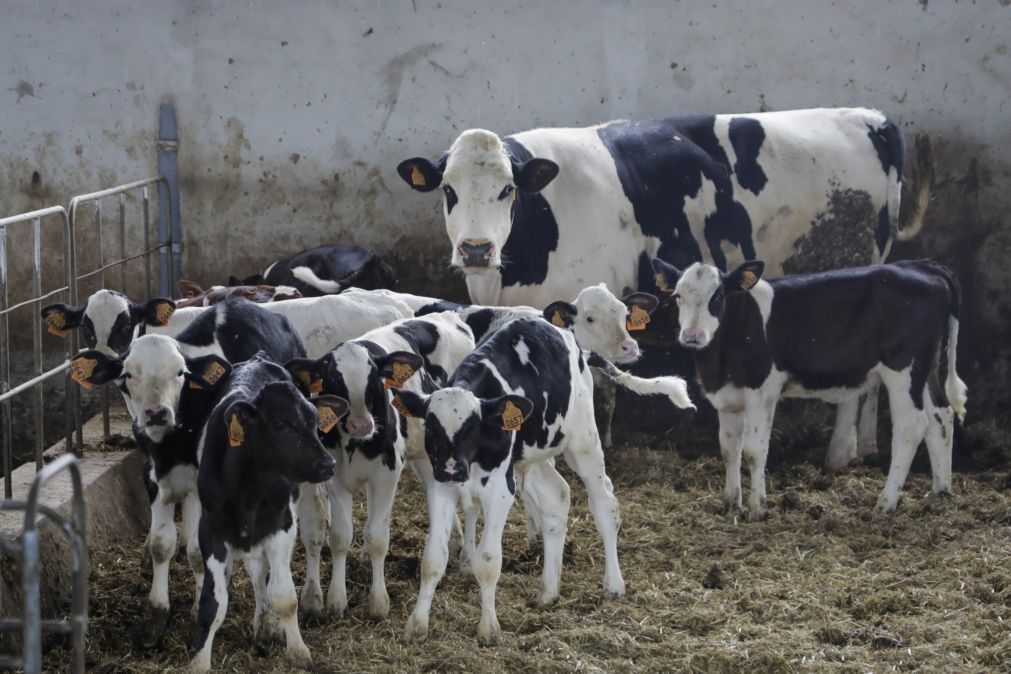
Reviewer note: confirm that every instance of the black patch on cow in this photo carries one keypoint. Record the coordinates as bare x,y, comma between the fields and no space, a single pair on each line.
534,233
889,145
747,136
883,232
438,306
351,266
423,338
242,328
451,198
484,481
120,335
480,322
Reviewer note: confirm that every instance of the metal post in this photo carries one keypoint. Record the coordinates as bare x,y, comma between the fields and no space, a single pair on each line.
147,245
169,224
122,244
100,257
70,281
37,339
5,368
31,629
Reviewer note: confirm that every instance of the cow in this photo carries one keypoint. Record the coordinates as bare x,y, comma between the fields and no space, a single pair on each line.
168,386
326,270
826,336
522,398
373,442
543,213
192,295
260,441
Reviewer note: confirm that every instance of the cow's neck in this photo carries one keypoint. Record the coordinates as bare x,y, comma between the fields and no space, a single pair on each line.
485,288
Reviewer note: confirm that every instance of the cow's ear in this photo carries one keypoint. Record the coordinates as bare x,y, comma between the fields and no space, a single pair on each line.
188,289
254,280
421,174
640,307
208,372
156,312
91,367
560,314
308,375
62,317
508,412
234,281
410,404
331,409
397,367
534,175
665,275
240,418
744,277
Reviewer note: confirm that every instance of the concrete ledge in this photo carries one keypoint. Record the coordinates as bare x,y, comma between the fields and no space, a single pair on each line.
117,505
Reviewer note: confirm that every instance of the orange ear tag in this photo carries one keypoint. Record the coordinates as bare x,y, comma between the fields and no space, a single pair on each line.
56,323
81,370
315,388
398,405
557,319
213,373
417,177
637,319
327,419
748,280
164,312
236,434
512,417
401,373
193,384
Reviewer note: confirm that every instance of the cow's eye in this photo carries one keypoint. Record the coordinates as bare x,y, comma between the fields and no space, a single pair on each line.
180,373
127,375
450,197
589,319
506,191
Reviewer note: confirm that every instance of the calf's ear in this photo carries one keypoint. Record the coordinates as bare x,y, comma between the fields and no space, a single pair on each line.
331,408
234,281
534,174
156,312
640,307
744,277
410,404
62,317
560,314
188,288
209,372
508,412
421,174
397,367
239,419
665,275
308,375
92,367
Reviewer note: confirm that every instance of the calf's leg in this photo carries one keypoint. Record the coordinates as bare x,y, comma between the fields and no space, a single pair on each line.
213,604
380,491
867,433
341,532
496,500
162,543
281,593
531,513
312,507
191,530
266,627
458,545
939,439
760,410
842,448
548,492
909,425
731,433
441,512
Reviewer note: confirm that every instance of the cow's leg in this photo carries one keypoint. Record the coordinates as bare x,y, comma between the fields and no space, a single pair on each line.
604,397
191,530
586,458
939,438
471,511
842,448
162,539
341,533
380,491
531,513
496,500
213,605
441,511
281,593
908,427
548,492
731,431
759,411
867,433
457,542
265,625
312,507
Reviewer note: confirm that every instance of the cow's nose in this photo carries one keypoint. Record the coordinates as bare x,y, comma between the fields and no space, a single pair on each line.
476,252
323,469
629,349
156,416
359,426
692,337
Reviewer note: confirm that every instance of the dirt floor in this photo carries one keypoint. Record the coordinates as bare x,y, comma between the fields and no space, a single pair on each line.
825,584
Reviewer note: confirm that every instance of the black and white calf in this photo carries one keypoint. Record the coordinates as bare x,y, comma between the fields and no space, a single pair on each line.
169,386
826,336
373,441
259,443
327,270
522,398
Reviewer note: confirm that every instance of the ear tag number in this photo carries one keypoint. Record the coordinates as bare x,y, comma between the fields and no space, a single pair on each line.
56,323
327,419
164,312
236,434
398,405
213,373
638,318
417,177
401,373
512,417
557,319
81,370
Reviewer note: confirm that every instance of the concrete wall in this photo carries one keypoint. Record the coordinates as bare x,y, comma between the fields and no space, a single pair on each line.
294,115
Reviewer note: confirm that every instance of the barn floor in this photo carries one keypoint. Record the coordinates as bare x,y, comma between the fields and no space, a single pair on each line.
825,584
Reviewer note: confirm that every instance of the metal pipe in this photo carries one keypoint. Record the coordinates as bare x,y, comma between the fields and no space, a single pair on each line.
37,340
122,244
147,243
34,300
103,394
5,370
21,388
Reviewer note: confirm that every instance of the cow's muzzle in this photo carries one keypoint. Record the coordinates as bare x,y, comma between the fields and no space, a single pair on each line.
321,470
476,252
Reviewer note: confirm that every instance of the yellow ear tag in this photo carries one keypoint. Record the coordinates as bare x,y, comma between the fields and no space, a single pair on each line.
81,369
164,312
417,177
401,373
193,384
398,405
748,280
512,417
638,318
56,323
236,434
661,282
327,419
213,373
557,319
315,387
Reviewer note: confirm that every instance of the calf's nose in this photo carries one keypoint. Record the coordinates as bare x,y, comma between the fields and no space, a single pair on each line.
359,426
476,252
324,469
156,416
692,336
629,348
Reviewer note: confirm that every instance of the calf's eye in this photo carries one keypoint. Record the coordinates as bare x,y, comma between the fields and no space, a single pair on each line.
589,319
506,191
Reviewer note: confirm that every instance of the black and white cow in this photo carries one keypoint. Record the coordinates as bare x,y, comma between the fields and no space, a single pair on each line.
327,270
169,386
522,398
373,442
824,336
259,443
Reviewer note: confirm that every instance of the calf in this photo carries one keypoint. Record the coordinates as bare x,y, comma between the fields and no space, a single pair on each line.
826,336
372,443
194,296
168,386
259,442
327,270
518,401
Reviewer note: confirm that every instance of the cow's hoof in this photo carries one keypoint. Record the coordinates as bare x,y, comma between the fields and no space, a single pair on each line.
312,598
379,606
155,626
311,618
489,635
731,503
464,563
300,657
198,665
417,628
886,505
942,494
545,598
336,603
758,514
615,589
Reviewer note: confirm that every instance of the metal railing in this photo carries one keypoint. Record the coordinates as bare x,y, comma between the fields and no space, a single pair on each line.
32,625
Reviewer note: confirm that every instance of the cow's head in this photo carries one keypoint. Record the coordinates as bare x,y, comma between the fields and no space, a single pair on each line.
601,322
480,181
153,375
359,376
455,420
108,319
700,293
279,428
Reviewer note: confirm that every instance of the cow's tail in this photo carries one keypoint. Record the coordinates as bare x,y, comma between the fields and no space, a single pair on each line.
955,389
308,276
675,388
923,183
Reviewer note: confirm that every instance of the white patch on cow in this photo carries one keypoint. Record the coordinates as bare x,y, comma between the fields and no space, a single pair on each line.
523,352
763,294
266,272
697,209
600,325
452,407
153,374
308,276
283,291
103,308
694,289
352,360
